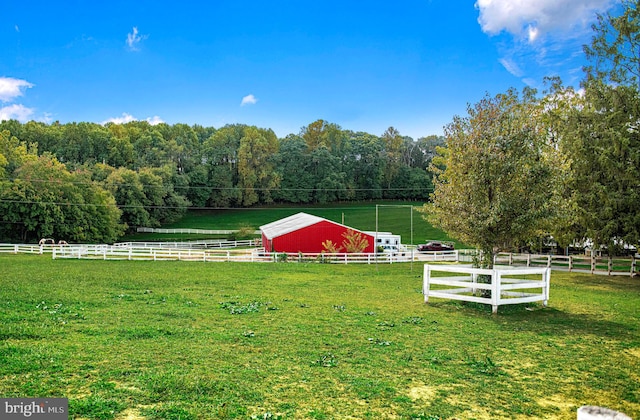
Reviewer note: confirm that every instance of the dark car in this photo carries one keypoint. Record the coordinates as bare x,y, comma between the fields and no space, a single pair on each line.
435,246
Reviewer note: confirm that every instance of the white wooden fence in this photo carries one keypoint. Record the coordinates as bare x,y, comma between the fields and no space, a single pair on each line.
576,263
203,244
26,248
131,253
573,263
210,251
188,231
507,286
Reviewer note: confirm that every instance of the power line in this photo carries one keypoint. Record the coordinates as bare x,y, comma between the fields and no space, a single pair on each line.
212,188
61,203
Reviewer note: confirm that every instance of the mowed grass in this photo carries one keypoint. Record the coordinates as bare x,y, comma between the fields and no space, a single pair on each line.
393,217
178,340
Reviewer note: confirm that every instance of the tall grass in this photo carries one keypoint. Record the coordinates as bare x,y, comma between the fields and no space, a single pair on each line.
176,340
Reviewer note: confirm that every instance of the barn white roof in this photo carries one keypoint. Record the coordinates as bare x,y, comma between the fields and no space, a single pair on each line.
289,224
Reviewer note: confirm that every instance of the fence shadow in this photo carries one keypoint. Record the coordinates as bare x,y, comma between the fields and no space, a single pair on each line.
544,321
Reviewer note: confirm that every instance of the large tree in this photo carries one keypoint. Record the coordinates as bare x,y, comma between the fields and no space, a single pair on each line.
256,172
495,178
600,134
614,52
44,199
600,137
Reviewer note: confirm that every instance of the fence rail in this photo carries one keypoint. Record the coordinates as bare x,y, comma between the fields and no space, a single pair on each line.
573,263
188,231
203,244
243,250
503,286
106,252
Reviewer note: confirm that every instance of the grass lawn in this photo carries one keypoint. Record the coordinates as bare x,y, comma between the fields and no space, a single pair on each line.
178,340
360,215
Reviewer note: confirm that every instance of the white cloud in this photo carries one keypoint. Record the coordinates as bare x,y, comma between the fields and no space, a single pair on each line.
126,118
537,38
47,118
15,112
17,28
511,67
248,100
134,39
155,120
532,18
11,88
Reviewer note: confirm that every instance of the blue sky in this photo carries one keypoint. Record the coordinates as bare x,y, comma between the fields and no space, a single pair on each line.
282,64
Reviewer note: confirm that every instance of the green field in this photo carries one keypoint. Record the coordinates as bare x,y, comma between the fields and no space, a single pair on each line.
391,218
177,340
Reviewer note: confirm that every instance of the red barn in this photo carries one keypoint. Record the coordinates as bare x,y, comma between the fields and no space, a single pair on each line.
305,233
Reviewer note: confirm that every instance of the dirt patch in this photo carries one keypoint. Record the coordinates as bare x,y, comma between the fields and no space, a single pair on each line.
130,414
423,392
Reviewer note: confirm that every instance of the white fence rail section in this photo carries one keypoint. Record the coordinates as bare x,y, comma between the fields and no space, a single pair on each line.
204,244
573,263
507,286
438,256
188,231
134,253
26,248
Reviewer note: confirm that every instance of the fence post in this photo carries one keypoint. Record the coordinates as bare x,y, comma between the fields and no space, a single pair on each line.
425,284
593,263
528,260
495,291
548,260
570,263
547,282
510,258
633,265
609,265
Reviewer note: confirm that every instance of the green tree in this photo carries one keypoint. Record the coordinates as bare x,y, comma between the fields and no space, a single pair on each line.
129,193
221,157
256,171
322,133
15,152
614,53
601,138
366,165
164,204
46,200
495,178
393,143
292,162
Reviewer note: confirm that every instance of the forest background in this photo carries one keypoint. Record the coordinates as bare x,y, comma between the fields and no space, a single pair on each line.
86,182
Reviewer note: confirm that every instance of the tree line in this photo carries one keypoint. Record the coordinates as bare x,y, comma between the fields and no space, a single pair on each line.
86,182
522,166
